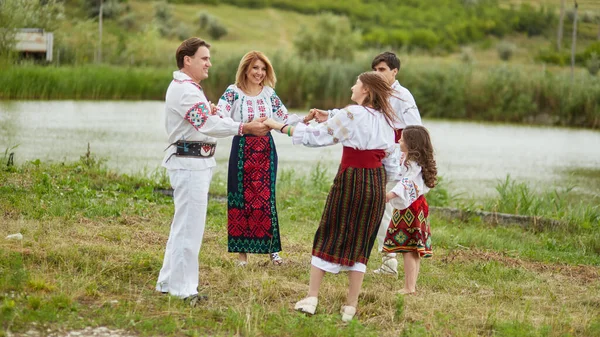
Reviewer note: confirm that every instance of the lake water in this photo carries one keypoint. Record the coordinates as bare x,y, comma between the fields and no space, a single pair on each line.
471,156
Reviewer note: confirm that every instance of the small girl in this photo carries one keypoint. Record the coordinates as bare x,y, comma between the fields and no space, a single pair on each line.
409,232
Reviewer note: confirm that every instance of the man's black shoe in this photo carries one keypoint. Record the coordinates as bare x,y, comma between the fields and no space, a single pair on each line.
193,300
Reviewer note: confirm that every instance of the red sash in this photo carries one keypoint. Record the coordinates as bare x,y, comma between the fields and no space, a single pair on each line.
397,135
361,158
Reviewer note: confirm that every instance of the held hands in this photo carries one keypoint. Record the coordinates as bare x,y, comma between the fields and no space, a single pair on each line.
271,123
213,109
257,127
319,115
389,196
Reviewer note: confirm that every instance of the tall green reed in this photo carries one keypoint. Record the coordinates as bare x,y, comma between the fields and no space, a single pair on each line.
457,91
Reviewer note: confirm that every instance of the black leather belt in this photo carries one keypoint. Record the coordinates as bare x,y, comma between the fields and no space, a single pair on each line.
193,149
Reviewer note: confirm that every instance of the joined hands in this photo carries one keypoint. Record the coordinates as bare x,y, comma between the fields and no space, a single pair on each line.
262,126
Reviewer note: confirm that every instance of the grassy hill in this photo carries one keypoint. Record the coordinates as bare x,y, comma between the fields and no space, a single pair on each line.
266,29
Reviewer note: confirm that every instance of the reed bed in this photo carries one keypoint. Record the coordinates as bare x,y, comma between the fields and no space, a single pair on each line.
501,93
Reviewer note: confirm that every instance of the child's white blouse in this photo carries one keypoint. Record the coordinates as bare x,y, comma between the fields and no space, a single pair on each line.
410,185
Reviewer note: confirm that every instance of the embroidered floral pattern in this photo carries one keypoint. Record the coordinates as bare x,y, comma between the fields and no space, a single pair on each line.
350,115
410,186
229,96
188,81
197,115
276,108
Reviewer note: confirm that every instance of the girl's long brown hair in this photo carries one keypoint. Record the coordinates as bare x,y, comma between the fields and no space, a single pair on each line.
378,94
420,150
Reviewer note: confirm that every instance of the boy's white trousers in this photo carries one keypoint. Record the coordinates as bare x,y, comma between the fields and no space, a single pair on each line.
385,221
179,273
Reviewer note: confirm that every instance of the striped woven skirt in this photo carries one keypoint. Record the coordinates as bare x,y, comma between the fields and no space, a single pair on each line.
409,230
252,223
351,217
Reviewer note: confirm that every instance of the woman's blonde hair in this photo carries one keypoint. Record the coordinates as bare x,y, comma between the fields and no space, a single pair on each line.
240,77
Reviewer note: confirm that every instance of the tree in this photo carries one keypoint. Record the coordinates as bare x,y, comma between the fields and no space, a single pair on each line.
574,44
560,25
15,14
332,38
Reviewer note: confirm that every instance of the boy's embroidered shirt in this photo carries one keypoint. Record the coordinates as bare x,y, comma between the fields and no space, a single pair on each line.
357,127
188,116
404,105
410,185
234,103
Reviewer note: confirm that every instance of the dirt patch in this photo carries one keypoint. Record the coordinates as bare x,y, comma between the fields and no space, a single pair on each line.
580,274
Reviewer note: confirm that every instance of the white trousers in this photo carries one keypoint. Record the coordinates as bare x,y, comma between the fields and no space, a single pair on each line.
335,268
179,273
385,221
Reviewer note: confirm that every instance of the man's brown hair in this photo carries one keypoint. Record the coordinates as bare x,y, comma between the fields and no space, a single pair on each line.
392,61
189,47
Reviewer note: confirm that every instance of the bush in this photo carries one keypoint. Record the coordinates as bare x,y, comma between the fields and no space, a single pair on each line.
552,57
128,21
398,38
162,12
532,21
466,55
333,38
505,50
182,31
111,9
216,30
424,38
375,37
204,19
593,64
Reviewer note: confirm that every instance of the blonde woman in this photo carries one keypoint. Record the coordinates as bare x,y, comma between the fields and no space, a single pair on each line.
252,223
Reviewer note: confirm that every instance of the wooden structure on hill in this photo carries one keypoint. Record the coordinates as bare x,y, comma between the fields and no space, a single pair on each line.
34,43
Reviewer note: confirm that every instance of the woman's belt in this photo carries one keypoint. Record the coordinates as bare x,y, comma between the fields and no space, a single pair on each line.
397,135
193,149
361,158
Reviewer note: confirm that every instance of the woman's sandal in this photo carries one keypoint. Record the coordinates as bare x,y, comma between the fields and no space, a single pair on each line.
307,305
276,259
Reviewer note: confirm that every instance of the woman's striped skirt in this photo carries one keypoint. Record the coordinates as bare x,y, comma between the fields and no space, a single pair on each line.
351,217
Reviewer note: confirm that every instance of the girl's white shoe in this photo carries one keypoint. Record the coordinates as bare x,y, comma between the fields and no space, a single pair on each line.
347,312
307,305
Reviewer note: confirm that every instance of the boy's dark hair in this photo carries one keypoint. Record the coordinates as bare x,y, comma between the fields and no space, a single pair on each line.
389,58
189,47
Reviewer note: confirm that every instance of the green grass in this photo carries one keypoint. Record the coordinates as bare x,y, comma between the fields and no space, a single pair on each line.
84,263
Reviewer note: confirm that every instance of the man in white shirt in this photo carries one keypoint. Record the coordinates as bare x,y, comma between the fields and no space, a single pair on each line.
192,125
404,105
